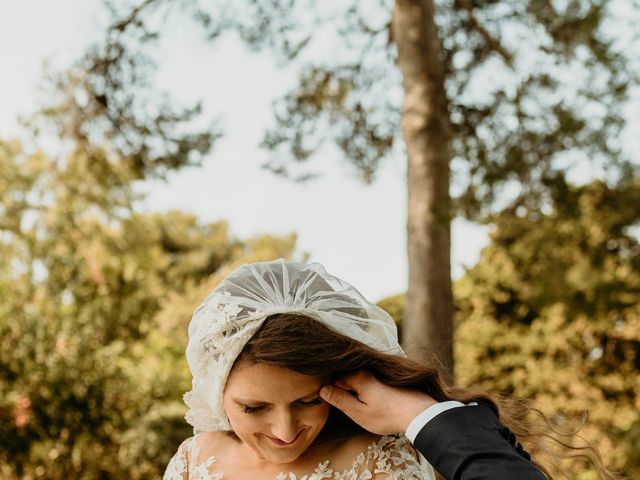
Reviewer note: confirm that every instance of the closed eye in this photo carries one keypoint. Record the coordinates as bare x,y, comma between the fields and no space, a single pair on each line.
247,409
301,403
311,403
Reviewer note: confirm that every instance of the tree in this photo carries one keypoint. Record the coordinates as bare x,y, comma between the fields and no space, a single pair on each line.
511,96
93,292
425,126
550,313
93,314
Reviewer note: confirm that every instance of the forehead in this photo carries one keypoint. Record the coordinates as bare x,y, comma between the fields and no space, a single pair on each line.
260,381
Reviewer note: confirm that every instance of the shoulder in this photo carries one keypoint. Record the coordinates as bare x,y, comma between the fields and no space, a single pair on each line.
360,441
178,467
397,458
187,447
345,446
370,444
397,446
394,457
192,452
385,457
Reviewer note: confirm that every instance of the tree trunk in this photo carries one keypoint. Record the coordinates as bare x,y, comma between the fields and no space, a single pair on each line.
428,327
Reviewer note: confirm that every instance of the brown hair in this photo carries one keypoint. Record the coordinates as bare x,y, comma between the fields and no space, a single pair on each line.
307,346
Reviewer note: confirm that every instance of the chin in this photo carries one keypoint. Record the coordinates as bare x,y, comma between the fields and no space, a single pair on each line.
277,454
283,457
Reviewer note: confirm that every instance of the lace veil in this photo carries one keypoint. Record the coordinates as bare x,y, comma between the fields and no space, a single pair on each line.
232,313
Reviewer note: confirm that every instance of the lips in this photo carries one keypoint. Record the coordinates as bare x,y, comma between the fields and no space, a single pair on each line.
281,443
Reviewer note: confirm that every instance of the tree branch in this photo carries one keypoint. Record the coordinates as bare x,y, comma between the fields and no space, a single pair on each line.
123,24
493,43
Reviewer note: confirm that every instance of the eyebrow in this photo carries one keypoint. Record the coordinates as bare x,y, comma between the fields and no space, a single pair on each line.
244,401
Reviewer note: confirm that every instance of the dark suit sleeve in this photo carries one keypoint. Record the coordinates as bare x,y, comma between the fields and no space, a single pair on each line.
469,443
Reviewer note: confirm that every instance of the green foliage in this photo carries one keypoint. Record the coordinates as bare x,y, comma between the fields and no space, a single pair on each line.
551,312
107,98
394,306
535,89
95,299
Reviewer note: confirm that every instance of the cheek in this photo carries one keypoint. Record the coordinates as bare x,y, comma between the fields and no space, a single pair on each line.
243,423
317,415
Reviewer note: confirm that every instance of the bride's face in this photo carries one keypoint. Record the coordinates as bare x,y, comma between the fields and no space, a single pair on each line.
273,410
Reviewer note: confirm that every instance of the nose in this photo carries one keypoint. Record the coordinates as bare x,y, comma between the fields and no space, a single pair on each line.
284,427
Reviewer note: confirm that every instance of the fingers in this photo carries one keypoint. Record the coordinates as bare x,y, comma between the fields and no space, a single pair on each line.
373,405
342,400
346,394
354,381
346,384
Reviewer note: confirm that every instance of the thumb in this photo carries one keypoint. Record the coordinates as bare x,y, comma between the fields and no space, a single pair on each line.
341,399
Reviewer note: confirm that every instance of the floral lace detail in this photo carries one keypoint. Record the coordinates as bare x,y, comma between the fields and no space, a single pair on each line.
221,338
183,465
232,313
391,458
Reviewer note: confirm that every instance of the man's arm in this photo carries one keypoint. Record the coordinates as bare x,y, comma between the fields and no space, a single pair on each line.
461,443
470,442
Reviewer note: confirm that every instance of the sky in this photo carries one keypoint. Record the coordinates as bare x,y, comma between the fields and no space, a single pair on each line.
357,231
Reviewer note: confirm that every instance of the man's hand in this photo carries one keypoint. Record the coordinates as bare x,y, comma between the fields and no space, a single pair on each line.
374,406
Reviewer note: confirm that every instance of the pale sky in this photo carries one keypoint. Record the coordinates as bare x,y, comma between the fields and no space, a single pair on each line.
356,231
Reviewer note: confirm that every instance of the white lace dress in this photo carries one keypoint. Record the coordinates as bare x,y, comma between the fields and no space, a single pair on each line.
391,457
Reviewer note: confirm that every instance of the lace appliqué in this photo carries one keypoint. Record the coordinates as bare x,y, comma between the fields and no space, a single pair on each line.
392,458
184,466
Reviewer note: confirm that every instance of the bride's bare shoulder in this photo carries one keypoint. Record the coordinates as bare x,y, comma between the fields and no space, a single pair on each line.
210,443
211,437
350,445
361,441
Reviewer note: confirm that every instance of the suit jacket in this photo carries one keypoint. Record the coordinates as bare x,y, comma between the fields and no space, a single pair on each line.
469,443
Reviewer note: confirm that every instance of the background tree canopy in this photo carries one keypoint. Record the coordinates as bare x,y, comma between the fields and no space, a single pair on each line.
95,299
551,313
507,100
95,293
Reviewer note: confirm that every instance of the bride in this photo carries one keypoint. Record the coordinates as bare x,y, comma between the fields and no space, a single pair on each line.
261,346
